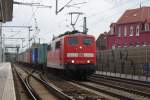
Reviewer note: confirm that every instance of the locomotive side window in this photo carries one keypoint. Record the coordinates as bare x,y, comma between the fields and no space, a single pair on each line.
87,41
72,40
57,45
49,47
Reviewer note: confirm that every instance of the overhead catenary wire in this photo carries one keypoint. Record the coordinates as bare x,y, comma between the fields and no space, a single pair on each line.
31,4
104,11
93,16
14,34
106,18
109,9
57,11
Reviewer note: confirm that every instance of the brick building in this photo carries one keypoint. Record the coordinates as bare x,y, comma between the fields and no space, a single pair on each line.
132,29
101,41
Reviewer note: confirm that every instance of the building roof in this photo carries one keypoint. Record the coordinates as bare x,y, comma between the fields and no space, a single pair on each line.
6,10
113,24
135,15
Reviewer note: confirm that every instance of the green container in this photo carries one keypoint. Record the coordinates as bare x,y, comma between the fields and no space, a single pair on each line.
42,59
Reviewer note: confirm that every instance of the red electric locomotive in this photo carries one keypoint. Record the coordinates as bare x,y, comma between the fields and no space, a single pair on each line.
73,53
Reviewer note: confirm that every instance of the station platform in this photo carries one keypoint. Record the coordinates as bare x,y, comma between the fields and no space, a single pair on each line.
7,89
133,77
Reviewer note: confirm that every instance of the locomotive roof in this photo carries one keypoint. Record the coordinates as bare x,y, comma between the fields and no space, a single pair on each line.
73,33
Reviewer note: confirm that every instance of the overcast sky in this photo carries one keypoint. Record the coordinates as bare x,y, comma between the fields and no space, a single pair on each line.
100,14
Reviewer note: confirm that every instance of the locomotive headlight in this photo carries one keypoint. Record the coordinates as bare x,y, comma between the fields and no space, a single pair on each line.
88,61
72,61
80,47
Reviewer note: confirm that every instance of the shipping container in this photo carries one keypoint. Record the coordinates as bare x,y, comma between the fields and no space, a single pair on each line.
34,55
42,53
29,60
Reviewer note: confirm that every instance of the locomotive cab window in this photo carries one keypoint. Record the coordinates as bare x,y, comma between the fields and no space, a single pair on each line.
87,41
72,41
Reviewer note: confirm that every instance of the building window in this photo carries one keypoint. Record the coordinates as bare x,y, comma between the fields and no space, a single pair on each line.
119,31
113,46
131,31
137,30
125,45
143,27
144,44
125,31
131,44
111,30
146,27
119,46
125,42
119,40
137,44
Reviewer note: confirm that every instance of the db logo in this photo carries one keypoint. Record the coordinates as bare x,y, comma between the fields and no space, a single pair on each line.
80,55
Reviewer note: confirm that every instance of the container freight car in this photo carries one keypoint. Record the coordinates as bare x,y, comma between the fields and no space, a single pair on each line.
29,56
25,57
39,56
35,56
21,57
42,56
124,60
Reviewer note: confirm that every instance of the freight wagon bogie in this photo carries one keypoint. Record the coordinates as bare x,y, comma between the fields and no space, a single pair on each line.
80,71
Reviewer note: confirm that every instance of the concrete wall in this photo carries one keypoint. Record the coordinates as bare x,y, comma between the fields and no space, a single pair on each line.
126,60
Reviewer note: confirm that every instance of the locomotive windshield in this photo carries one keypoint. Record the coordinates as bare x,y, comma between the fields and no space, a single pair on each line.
87,41
72,41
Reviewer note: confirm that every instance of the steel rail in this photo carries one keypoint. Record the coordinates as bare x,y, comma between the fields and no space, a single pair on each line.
129,81
104,91
26,86
51,87
95,80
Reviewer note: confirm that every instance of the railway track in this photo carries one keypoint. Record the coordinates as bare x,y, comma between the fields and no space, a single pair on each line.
96,88
128,81
74,90
129,89
103,89
66,87
127,85
39,89
21,93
